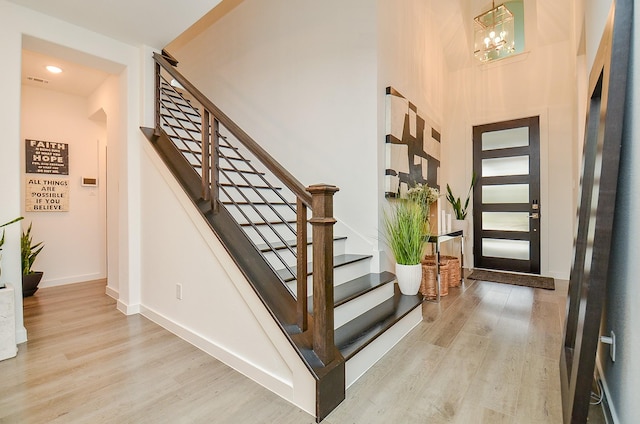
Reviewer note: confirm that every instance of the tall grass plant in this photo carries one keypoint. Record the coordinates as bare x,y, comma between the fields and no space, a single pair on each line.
404,227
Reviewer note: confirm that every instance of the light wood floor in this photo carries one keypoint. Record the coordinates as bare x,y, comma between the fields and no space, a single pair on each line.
488,353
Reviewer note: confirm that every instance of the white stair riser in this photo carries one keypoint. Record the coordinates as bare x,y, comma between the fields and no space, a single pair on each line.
341,274
261,233
263,212
356,307
286,255
367,357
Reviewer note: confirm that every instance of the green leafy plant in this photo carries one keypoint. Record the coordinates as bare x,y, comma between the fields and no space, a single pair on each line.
2,238
460,210
404,228
29,251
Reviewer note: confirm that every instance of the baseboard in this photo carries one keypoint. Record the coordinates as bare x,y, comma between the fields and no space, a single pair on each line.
112,293
128,309
72,279
21,335
280,387
610,414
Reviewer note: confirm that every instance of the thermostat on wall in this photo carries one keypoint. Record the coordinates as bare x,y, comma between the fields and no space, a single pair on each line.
89,182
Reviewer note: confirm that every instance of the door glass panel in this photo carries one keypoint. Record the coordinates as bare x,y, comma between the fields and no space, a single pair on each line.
506,193
513,165
503,139
505,221
508,249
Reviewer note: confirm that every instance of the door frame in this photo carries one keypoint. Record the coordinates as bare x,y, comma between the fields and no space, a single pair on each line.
598,186
534,235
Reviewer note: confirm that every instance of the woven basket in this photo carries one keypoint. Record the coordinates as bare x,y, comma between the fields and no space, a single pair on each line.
445,275
430,278
454,277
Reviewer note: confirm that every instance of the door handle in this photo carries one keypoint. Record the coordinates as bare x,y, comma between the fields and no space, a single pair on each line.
534,215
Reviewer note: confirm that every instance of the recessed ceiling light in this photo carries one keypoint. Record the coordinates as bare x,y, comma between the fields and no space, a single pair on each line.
53,69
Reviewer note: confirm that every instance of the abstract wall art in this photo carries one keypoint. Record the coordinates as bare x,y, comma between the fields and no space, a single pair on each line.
412,147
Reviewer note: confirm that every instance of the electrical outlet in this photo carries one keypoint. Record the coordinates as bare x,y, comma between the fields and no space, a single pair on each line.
612,349
611,341
179,291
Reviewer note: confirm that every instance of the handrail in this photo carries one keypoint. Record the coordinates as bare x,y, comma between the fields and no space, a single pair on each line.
289,180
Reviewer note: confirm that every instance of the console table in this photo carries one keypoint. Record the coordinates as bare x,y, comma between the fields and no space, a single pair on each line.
436,242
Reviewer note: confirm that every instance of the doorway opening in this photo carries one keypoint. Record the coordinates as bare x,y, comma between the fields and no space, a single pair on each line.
506,197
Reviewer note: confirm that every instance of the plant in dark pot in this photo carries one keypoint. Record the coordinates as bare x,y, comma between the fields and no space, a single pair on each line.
29,252
2,240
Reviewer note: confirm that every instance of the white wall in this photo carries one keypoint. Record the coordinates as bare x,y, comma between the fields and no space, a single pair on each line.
75,241
538,82
307,81
410,59
300,78
16,23
104,102
219,312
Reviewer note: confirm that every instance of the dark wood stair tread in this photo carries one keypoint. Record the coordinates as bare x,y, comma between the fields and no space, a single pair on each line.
350,290
338,261
263,247
356,334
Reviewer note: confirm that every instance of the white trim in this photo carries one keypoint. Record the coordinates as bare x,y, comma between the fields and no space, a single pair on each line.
277,385
607,394
128,309
112,293
73,279
21,335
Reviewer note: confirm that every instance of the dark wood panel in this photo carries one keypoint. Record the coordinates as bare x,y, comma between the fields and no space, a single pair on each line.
589,274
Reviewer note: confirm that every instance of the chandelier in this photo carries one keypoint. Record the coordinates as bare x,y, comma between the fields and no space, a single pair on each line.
494,34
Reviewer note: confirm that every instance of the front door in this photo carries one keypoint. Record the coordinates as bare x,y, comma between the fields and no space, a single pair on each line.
506,197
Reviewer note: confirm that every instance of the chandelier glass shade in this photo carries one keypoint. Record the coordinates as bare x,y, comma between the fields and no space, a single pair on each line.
494,34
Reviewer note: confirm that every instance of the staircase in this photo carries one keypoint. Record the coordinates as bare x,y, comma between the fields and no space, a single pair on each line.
340,317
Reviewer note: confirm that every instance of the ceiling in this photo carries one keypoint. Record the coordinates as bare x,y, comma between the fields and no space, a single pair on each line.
157,23
150,22
75,79
546,22
153,23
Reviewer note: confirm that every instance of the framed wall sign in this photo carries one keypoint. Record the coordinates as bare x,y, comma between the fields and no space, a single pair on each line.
46,157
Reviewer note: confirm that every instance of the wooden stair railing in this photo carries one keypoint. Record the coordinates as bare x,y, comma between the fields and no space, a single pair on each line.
205,154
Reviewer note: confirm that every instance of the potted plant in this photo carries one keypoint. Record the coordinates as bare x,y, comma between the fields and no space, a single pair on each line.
2,239
405,232
460,209
29,252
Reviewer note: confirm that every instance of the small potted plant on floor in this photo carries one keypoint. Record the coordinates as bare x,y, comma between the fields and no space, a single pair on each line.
405,232
29,252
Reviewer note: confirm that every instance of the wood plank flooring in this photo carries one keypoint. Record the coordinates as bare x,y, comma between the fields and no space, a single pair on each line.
488,353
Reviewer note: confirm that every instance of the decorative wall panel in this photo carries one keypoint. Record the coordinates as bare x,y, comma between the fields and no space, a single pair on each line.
412,147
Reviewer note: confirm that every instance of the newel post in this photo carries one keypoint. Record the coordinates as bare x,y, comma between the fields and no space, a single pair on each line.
322,222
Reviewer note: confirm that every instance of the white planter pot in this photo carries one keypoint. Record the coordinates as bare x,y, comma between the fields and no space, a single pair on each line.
460,224
409,278
8,348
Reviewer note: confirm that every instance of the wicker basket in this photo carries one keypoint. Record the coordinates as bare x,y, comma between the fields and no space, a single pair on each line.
454,277
445,275
430,278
